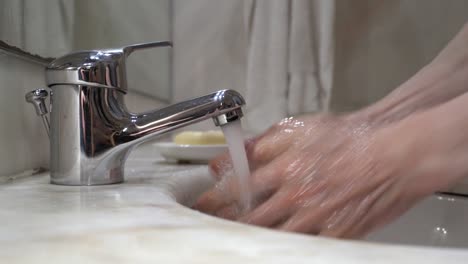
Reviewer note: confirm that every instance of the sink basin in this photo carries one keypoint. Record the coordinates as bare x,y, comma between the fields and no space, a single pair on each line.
440,220
146,220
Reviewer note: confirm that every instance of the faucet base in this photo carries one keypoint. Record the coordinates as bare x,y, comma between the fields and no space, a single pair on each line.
112,178
109,171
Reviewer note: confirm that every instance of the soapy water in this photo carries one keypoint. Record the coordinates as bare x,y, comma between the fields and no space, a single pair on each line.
241,174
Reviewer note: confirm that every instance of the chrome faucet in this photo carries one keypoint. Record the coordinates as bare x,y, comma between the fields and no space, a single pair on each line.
91,130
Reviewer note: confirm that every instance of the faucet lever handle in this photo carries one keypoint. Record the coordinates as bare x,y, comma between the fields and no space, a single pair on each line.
127,50
95,68
37,98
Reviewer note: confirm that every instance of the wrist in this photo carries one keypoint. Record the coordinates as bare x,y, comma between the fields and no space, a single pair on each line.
404,153
426,150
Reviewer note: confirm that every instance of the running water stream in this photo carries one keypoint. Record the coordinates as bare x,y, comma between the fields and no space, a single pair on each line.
235,140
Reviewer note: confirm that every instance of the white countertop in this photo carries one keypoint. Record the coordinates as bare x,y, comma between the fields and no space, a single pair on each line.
141,221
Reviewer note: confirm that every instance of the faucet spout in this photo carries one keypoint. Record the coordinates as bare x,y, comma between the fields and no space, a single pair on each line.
92,132
223,107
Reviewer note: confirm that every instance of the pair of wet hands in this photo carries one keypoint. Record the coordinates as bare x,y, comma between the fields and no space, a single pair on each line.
316,174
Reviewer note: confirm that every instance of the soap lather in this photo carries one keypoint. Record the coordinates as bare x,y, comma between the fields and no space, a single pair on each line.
91,130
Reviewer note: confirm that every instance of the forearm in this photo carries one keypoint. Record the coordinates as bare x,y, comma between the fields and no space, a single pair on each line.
431,147
445,78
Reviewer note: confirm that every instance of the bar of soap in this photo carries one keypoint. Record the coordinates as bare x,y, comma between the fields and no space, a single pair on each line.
200,138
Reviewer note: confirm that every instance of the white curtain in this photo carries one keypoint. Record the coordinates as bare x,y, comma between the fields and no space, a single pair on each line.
277,53
289,59
40,27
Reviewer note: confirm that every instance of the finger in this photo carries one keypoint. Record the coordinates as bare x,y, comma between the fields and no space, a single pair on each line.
260,151
210,202
268,146
304,221
229,212
244,206
272,212
220,166
335,219
353,228
263,182
366,214
340,221
352,217
311,215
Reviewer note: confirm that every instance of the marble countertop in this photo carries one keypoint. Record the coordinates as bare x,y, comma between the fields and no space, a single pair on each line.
143,221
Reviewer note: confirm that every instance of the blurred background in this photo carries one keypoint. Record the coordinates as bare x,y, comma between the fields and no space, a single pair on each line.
286,57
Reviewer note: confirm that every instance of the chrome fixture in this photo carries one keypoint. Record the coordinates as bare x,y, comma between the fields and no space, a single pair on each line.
37,98
91,130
